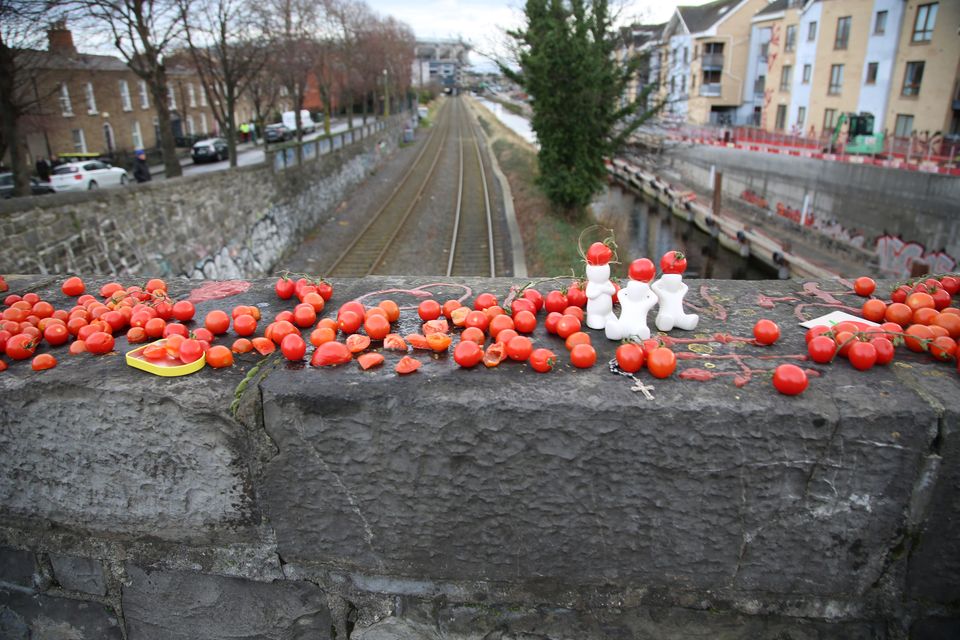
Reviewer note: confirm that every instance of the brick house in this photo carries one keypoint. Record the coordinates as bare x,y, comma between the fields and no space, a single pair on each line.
96,104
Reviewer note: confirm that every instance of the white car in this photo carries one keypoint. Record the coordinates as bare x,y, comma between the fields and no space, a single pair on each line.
85,176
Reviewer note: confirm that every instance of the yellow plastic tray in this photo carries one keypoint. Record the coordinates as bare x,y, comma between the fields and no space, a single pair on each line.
167,368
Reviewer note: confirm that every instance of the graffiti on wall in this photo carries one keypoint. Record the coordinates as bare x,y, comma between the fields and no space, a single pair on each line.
903,259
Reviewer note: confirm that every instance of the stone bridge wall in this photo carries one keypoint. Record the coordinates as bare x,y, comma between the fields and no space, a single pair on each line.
275,500
221,224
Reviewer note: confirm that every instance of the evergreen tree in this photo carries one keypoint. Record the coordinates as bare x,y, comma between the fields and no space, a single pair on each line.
568,68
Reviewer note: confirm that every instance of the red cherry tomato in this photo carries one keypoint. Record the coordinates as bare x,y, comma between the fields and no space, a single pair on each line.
789,379
535,297
862,355
821,349
583,356
429,310
43,362
567,325
73,286
183,310
190,350
524,322
325,289
576,296
349,322
599,254
21,346
484,300
884,349
519,348
467,354
217,322
293,347
285,288
766,332
864,286
55,334
99,342
661,362
673,262
630,356
555,301
219,357
642,269
542,360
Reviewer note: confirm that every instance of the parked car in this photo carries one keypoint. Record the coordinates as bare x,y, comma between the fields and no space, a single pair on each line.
209,150
37,188
277,133
84,176
306,122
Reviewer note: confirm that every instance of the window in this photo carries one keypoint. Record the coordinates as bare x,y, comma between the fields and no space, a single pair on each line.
836,79
156,130
843,33
683,85
203,122
66,108
791,39
781,117
871,73
190,129
125,96
171,98
673,84
137,136
711,76
911,79
191,95
686,52
786,77
904,126
801,116
880,23
829,119
144,96
760,85
203,97
807,71
79,142
923,25
811,32
713,47
91,99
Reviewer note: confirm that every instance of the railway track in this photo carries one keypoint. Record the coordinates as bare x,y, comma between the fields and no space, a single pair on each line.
471,246
368,249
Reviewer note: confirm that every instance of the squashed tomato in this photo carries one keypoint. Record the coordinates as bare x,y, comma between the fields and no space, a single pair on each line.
368,360
407,365
330,354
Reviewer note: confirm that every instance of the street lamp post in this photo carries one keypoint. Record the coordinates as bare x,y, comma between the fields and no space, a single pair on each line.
386,95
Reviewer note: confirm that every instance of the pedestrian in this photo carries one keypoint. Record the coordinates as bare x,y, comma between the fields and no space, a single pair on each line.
55,161
43,169
243,132
141,172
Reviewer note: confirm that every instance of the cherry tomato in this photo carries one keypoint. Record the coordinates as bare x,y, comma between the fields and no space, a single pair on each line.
392,310
245,325
377,327
521,304
813,332
284,288
519,348
673,262
484,300
350,321
354,306
555,301
56,334
524,322
242,345
864,286
899,313
630,355
304,315
42,362
766,332
900,294
943,348
884,349
322,334
506,336
429,310
941,300
575,311
661,362
553,318
73,286
576,296
477,319
862,355
219,357
99,342
293,347
789,379
535,297
407,365
822,349
500,323
110,288
155,327
21,346
472,334
435,326
330,354
582,356
599,253
190,350
542,360
916,335
951,284
874,310
920,300
217,321
567,325
578,337
950,322
325,289
642,269
467,354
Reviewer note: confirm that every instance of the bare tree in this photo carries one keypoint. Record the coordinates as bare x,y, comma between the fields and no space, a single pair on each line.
225,55
145,32
263,92
21,64
349,19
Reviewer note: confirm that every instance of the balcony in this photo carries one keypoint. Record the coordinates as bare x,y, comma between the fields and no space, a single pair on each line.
759,86
712,61
711,90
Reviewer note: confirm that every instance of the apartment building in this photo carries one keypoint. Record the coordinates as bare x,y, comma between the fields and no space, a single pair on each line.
641,41
773,67
96,104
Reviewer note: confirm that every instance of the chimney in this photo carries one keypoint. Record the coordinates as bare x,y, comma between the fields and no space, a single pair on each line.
60,39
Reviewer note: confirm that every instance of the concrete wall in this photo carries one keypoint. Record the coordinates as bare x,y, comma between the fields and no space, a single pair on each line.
223,224
273,500
919,207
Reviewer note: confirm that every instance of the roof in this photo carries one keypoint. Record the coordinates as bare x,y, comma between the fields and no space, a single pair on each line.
77,61
774,7
703,17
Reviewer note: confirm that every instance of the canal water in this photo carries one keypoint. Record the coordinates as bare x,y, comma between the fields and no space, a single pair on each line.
645,229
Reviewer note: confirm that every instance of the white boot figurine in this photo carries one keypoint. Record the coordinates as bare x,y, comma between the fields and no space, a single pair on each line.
670,291
599,296
636,300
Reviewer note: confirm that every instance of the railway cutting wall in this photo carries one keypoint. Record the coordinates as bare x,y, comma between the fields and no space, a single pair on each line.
234,223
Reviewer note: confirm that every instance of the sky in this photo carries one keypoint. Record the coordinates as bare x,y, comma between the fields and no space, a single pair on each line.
482,22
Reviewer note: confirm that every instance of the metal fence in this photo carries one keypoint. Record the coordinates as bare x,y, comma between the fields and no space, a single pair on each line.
286,155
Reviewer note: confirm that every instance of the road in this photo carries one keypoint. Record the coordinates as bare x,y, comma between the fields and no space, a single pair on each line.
247,154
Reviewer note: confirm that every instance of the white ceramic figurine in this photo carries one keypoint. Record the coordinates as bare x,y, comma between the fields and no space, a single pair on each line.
599,288
670,290
636,300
